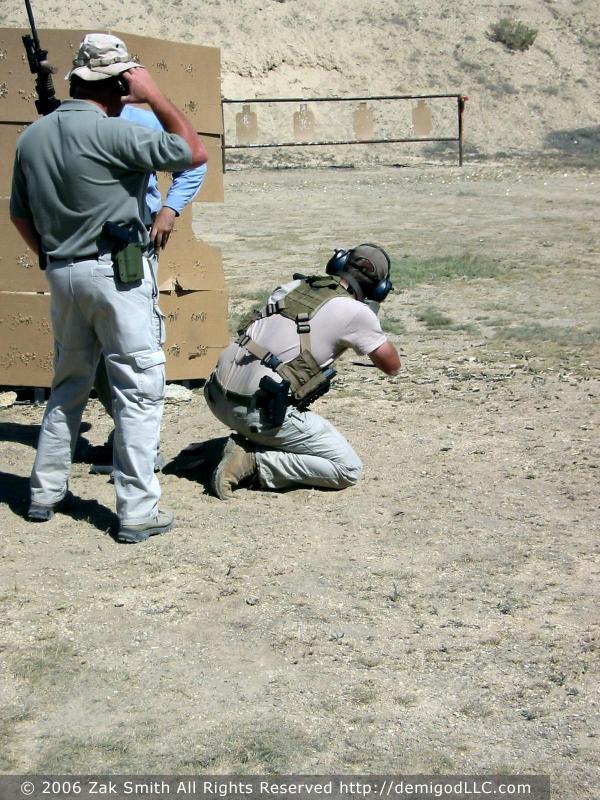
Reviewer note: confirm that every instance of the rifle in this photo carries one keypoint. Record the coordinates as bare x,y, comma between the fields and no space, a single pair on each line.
47,101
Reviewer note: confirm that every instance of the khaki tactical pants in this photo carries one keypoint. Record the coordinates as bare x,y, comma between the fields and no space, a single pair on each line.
92,313
305,450
101,382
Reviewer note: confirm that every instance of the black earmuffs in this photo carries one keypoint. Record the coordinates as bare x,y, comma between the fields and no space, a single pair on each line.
338,261
338,264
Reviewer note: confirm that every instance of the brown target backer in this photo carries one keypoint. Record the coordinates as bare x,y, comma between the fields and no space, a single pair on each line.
193,293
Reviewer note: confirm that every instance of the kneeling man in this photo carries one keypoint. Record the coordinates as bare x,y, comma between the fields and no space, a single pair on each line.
264,382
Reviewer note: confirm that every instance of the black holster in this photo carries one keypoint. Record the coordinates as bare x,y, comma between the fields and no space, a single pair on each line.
273,398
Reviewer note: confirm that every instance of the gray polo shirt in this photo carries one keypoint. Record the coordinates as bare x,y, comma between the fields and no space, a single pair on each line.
77,168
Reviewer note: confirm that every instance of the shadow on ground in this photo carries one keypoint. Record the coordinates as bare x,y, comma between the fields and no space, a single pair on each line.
28,435
14,492
197,461
576,141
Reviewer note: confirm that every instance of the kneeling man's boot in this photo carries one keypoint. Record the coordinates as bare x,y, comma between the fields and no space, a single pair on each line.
237,464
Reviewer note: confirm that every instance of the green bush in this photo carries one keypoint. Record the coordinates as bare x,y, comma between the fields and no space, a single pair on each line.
513,34
433,318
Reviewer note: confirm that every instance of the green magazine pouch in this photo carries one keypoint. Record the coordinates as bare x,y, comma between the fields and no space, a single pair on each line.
129,263
126,251
307,379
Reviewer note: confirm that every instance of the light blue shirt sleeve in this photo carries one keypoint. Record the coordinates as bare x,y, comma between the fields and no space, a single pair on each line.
185,185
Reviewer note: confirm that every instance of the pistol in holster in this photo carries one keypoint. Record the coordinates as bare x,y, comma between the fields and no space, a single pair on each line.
273,398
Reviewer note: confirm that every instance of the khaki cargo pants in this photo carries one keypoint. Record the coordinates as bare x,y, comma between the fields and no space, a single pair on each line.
92,313
306,450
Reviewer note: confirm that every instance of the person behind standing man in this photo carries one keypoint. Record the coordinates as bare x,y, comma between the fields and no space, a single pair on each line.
160,219
78,191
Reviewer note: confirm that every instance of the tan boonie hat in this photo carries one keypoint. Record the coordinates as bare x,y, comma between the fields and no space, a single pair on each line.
101,56
372,261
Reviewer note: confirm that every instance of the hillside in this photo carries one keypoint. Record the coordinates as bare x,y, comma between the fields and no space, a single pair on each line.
542,100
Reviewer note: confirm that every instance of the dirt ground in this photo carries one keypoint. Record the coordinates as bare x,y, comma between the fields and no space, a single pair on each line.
439,617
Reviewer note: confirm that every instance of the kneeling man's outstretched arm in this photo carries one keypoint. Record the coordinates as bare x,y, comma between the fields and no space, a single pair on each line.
386,358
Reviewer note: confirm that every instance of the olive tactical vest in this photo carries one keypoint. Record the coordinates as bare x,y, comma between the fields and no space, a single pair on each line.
306,377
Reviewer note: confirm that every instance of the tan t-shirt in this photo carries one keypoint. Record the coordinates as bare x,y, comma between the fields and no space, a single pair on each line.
340,324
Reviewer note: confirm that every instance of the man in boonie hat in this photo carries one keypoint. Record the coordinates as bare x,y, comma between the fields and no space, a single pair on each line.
265,382
78,199
101,56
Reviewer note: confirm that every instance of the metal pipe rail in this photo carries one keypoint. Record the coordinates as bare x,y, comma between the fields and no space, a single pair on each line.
460,104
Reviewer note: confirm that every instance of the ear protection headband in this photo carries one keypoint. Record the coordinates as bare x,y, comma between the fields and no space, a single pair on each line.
338,264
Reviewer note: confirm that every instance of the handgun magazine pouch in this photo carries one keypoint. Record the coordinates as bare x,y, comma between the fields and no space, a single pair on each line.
126,252
307,380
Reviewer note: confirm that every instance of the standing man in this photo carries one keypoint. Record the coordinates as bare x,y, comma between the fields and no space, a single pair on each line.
264,383
78,193
159,220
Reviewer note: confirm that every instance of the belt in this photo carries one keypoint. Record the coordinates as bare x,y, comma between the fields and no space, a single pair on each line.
246,400
74,259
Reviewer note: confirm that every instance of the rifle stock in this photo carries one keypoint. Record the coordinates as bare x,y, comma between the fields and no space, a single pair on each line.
46,102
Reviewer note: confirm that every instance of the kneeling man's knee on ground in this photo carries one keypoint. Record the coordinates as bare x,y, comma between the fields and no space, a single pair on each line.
350,472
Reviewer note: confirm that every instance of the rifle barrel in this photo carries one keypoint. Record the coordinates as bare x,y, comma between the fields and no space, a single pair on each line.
36,40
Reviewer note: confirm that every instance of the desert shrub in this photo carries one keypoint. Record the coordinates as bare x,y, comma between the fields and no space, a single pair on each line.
433,318
512,33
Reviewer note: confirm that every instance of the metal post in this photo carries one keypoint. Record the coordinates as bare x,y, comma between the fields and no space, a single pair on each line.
223,165
461,107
